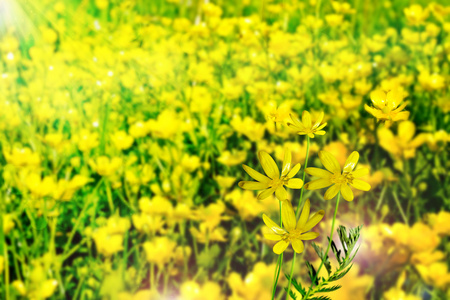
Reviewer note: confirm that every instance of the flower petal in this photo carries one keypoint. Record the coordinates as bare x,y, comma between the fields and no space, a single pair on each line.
272,237
304,215
255,174
252,185
401,116
297,122
308,236
351,161
280,247
298,246
360,172
378,98
295,183
406,130
360,185
286,162
329,162
347,192
318,184
266,193
394,98
318,120
332,192
294,171
316,218
320,132
273,226
288,215
306,119
281,193
316,172
269,165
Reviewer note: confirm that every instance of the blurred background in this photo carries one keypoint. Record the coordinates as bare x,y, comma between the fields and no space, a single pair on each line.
124,124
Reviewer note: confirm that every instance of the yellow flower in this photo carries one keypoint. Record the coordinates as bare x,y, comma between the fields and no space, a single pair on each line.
306,126
104,166
334,177
159,250
436,274
122,140
107,243
295,231
273,183
397,293
415,14
387,106
402,145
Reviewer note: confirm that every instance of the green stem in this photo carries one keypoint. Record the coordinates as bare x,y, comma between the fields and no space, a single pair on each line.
279,264
300,202
328,247
290,277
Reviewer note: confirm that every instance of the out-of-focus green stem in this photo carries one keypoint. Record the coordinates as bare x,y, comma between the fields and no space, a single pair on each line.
279,264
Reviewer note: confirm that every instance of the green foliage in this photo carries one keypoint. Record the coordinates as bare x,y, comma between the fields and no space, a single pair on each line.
345,255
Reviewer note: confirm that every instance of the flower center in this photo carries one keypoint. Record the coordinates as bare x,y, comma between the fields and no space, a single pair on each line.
279,182
342,178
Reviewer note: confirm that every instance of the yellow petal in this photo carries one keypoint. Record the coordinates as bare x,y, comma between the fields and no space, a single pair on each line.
406,130
318,184
295,183
269,165
306,119
281,193
304,215
378,98
297,123
351,161
255,174
401,116
360,172
319,119
329,162
272,225
308,236
272,237
321,126
316,172
311,135
394,98
314,220
320,132
252,185
332,192
298,246
347,192
280,247
294,171
286,162
266,193
375,112
360,185
288,215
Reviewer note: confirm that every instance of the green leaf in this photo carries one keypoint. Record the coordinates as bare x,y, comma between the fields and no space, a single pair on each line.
323,257
337,275
328,289
296,285
312,274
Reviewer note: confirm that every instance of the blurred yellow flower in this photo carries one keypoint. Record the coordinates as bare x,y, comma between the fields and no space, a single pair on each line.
256,285
437,274
334,177
159,250
105,166
306,126
440,222
416,14
191,290
2,264
431,82
295,231
387,106
274,182
403,145
122,140
232,158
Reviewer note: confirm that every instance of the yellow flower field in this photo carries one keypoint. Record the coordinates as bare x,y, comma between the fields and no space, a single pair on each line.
203,149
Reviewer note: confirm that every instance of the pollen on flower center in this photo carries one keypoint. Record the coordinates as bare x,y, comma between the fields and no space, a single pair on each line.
342,178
